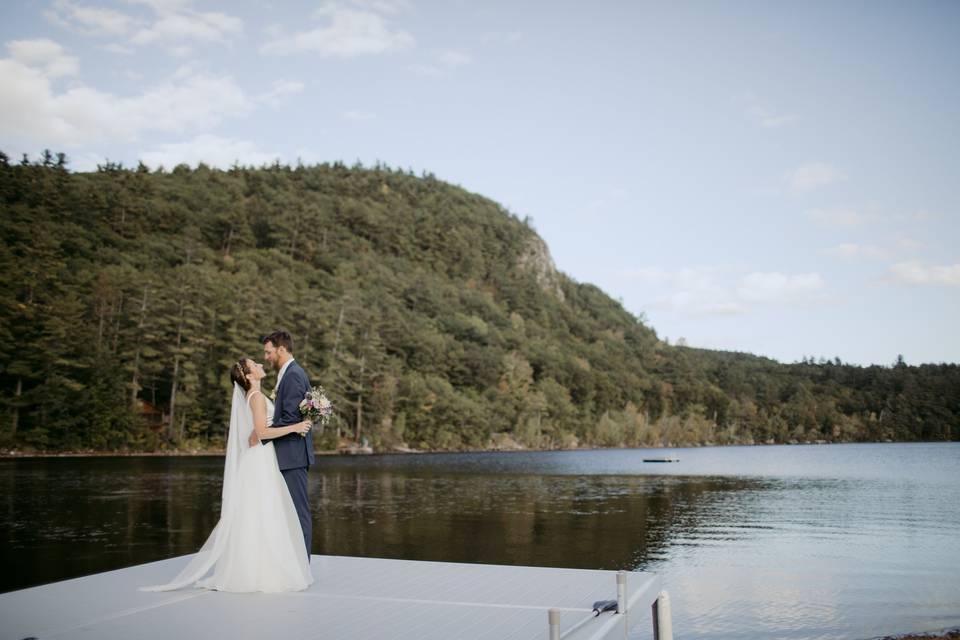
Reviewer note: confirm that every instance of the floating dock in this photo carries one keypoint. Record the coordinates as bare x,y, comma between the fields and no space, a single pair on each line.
664,459
351,598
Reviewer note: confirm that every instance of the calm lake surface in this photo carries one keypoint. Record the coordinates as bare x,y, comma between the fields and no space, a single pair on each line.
838,541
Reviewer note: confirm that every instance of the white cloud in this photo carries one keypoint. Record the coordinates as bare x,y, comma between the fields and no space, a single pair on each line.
33,112
923,216
384,6
90,20
501,37
453,59
44,54
211,150
777,287
273,30
691,290
762,115
906,243
914,217
812,176
610,198
280,90
348,33
707,302
162,5
442,63
174,24
915,273
852,251
178,27
768,119
840,216
354,114
114,47
653,275
720,291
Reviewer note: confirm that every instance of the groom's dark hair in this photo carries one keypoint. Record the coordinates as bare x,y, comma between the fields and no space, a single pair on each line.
280,339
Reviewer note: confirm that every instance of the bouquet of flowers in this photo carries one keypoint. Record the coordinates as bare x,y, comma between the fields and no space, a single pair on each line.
316,407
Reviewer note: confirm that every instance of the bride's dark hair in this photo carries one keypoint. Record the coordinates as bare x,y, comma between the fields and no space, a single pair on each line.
239,371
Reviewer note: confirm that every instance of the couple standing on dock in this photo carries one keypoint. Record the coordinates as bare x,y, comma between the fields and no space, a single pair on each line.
258,544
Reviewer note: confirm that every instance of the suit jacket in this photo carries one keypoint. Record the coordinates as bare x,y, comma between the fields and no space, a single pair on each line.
293,450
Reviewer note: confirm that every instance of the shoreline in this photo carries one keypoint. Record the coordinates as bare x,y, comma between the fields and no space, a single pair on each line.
945,634
12,454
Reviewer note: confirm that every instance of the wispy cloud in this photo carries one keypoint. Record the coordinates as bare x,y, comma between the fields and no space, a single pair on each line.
443,62
387,7
720,291
94,21
611,198
840,216
501,37
857,252
761,114
907,243
852,251
209,149
916,273
774,286
814,175
162,6
346,32
177,28
916,217
173,24
280,90
923,216
355,114
115,47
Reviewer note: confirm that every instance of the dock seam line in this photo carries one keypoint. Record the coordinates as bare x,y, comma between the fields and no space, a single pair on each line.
122,614
461,603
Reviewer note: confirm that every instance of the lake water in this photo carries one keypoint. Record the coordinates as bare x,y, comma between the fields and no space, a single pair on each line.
839,541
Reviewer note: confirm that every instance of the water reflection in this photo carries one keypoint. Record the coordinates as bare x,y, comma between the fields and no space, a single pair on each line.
863,545
587,522
70,517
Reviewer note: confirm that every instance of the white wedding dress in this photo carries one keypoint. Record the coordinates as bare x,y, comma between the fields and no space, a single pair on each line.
258,544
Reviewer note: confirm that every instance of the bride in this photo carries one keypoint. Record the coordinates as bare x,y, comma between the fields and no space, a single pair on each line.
258,544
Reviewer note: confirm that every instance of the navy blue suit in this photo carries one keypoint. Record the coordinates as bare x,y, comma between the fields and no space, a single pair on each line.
294,452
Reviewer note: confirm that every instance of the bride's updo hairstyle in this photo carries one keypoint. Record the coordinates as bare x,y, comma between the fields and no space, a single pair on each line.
238,373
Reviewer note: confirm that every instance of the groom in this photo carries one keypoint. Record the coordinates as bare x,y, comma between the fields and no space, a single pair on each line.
294,452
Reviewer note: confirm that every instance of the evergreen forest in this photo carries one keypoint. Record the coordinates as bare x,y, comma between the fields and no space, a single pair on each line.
434,318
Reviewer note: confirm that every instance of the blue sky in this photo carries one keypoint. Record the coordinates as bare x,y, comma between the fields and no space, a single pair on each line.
777,178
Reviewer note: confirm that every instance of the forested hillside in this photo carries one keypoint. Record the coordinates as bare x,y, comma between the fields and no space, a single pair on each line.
434,318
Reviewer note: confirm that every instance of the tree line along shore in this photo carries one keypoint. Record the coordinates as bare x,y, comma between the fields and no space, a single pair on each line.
434,318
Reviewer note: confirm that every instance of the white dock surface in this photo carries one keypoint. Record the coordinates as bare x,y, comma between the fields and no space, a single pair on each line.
351,598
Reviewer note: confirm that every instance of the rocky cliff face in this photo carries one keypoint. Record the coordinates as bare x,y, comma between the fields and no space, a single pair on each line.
536,259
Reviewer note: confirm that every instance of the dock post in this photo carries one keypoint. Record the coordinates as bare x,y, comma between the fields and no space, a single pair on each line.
662,624
554,617
621,591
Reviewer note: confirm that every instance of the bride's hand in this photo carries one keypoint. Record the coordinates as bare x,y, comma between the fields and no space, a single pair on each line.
302,427
254,440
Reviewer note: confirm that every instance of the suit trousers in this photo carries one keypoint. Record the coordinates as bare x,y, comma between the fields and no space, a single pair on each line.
296,480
